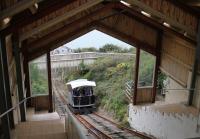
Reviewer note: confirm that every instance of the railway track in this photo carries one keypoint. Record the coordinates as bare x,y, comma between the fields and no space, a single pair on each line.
112,129
100,127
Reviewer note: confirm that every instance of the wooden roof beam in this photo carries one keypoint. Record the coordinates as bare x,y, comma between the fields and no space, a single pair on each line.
81,31
59,19
192,2
34,8
45,8
17,8
59,42
126,38
161,16
152,23
56,34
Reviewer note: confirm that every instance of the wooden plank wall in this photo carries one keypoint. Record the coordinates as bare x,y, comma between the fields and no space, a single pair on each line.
120,23
6,4
131,27
145,94
177,58
171,11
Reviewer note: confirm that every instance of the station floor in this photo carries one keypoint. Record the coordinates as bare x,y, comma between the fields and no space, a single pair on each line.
40,125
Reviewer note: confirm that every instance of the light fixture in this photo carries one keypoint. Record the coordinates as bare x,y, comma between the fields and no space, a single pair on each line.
36,5
6,20
185,33
166,24
125,3
145,13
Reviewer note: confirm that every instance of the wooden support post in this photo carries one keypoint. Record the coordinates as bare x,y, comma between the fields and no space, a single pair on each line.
27,81
195,68
157,64
16,49
7,81
137,64
49,82
27,75
3,103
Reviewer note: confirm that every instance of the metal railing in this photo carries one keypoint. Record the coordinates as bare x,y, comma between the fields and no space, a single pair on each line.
129,90
14,107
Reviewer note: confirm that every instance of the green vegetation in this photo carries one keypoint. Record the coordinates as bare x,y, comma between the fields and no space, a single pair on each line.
146,68
38,81
110,76
88,49
106,48
161,78
113,48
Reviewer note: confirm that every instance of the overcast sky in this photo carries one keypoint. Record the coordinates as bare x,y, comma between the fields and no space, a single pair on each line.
95,39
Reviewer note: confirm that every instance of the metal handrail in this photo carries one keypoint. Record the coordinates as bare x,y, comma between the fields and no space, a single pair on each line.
14,107
183,89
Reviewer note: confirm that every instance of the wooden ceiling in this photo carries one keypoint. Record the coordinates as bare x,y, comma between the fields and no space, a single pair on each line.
193,5
47,24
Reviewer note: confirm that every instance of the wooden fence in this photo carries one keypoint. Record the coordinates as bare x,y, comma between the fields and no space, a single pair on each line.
72,60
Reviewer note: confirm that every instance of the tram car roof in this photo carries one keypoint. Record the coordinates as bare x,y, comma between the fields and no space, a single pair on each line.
80,82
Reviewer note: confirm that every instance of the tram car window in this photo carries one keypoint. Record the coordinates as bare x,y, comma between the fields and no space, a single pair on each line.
81,98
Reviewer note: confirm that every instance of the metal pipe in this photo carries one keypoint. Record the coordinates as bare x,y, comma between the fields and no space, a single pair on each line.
14,107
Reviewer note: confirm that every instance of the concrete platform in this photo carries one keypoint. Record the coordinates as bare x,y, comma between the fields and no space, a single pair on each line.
41,125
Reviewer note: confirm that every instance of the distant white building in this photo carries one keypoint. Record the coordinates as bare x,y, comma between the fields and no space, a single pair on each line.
62,50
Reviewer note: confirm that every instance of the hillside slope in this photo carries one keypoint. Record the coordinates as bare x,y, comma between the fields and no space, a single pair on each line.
110,77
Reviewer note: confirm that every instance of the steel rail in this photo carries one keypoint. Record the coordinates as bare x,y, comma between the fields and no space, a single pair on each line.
99,134
96,132
133,132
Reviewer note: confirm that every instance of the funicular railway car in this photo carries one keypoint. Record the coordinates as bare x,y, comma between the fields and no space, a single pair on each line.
81,97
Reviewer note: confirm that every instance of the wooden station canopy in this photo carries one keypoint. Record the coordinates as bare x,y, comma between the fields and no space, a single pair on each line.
43,25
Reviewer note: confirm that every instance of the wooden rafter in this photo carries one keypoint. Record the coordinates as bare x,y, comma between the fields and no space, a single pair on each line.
59,42
59,19
60,34
126,38
34,8
152,23
195,3
81,31
39,46
18,7
163,17
54,35
44,9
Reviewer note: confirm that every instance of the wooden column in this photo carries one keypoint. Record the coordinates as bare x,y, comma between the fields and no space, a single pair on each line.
157,64
27,75
195,68
27,81
49,82
137,63
3,102
17,55
7,81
